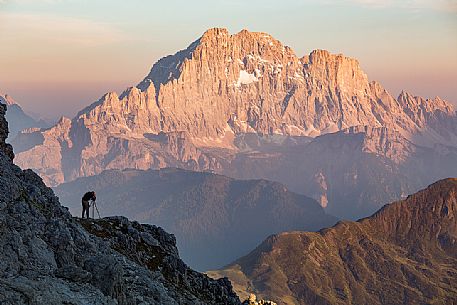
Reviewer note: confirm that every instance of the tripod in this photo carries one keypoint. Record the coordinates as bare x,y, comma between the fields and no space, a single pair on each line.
94,207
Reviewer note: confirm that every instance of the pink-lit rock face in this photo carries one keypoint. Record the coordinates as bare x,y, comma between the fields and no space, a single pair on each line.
192,108
7,99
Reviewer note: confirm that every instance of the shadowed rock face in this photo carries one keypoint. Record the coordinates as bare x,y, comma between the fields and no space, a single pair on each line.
48,257
352,173
404,254
7,149
216,219
152,247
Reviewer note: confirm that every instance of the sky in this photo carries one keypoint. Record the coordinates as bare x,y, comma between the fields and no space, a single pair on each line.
57,56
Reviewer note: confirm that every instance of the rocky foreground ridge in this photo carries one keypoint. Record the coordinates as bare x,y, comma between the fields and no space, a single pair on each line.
406,253
48,257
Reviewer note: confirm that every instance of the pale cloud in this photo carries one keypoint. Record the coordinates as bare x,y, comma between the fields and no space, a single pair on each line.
52,48
31,1
58,29
442,5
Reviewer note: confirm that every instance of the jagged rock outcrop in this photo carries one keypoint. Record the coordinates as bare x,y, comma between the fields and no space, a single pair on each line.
152,247
216,219
195,108
49,258
406,253
7,149
252,300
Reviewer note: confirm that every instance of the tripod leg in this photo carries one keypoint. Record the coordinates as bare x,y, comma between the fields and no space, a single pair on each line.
97,210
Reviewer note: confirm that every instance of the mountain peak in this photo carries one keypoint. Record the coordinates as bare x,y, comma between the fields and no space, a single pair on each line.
374,257
438,101
447,183
320,55
404,94
64,121
224,85
223,32
7,100
429,112
447,188
213,32
427,213
244,33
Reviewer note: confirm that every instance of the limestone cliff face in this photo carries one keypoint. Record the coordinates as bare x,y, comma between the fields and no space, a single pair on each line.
435,118
250,82
255,84
384,142
191,108
45,148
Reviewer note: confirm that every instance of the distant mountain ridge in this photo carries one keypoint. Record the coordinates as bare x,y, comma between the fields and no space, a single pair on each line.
406,253
352,173
196,108
215,218
18,120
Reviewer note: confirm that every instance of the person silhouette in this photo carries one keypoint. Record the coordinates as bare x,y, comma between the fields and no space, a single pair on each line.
87,198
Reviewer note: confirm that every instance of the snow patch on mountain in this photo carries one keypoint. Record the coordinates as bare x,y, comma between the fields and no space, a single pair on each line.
246,78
